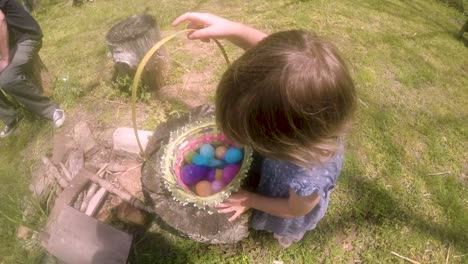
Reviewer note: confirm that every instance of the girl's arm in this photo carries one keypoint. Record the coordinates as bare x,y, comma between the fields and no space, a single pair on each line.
294,206
210,26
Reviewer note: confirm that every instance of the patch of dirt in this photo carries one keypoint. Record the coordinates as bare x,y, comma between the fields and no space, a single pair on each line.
196,85
393,79
345,239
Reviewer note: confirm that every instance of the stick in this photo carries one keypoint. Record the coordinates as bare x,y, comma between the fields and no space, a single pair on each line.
53,170
405,258
102,169
78,201
125,196
92,189
448,255
439,173
65,171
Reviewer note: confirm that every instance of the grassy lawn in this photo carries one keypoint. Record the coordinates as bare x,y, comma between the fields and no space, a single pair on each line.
404,183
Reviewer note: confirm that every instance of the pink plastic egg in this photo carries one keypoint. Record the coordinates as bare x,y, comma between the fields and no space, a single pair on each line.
217,186
191,174
230,172
220,151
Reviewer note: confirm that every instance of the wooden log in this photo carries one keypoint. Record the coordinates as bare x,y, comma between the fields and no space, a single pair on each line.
93,189
129,41
197,224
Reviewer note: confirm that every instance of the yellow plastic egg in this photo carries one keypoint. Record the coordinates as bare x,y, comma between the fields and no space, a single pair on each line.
219,174
203,188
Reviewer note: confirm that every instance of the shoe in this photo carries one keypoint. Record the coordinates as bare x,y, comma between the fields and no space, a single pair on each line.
8,129
58,117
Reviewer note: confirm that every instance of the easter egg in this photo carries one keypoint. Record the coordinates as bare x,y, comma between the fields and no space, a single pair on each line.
214,174
203,188
191,174
230,172
233,155
220,151
211,175
215,163
201,160
208,151
189,156
217,186
219,174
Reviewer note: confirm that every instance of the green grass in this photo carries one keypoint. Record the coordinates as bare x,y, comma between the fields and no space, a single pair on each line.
404,184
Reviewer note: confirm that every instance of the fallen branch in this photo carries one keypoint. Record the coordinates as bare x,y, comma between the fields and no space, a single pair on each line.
125,196
65,171
51,169
79,201
92,189
405,258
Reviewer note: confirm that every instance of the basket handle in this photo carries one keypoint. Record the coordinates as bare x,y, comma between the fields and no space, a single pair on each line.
141,66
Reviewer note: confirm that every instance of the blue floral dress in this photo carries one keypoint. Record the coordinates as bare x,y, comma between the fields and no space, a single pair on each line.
277,177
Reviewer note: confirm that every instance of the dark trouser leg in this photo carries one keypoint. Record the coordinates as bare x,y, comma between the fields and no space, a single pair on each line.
17,82
7,112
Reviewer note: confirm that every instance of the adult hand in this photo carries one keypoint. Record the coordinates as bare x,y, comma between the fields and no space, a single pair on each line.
237,203
207,25
3,65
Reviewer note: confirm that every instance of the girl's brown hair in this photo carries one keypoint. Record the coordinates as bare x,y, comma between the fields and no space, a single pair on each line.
290,97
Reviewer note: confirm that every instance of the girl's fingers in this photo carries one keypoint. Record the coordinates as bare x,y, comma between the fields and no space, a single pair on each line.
222,205
237,214
227,210
192,17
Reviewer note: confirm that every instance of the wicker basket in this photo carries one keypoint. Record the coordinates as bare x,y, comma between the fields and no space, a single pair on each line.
190,138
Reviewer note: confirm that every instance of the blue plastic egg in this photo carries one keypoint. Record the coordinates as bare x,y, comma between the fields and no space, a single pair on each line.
208,151
233,155
201,160
215,163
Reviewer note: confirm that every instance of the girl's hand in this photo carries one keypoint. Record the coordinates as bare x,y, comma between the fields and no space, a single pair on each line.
207,25
237,203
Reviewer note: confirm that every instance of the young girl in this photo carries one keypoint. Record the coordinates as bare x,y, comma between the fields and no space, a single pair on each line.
290,97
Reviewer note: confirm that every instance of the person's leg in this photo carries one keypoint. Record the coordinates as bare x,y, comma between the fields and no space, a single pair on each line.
7,112
17,83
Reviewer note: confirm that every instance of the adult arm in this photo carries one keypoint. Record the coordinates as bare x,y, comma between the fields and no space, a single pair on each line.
210,26
294,206
4,52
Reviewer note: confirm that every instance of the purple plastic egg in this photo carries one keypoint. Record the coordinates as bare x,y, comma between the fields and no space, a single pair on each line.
217,186
191,174
230,172
211,175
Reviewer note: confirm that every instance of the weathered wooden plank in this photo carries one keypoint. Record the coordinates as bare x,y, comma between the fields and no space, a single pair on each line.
81,239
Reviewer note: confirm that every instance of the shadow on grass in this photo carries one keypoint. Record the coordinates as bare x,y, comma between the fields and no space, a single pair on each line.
156,248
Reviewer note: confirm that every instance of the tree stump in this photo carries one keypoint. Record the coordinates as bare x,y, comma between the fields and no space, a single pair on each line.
187,220
129,41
